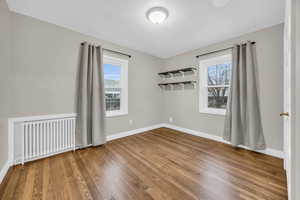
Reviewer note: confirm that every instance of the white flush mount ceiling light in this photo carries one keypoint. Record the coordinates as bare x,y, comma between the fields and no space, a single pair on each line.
157,15
220,3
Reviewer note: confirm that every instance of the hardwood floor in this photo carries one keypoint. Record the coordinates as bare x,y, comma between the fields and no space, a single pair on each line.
159,164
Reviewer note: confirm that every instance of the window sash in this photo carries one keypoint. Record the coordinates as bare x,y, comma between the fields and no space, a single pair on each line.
203,83
113,100
123,85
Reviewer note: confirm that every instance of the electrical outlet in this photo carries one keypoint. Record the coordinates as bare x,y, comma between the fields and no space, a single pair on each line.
170,119
130,122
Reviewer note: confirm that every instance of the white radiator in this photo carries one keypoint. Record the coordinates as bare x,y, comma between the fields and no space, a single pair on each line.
42,138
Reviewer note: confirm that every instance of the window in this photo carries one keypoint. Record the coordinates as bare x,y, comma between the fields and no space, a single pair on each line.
115,85
215,77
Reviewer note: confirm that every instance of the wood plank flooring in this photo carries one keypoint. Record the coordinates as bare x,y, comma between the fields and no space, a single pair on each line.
159,164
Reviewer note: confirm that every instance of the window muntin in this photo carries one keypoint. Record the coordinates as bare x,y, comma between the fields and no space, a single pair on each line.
215,77
115,85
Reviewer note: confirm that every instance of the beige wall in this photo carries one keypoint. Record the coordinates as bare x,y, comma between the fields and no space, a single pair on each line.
5,58
183,105
45,59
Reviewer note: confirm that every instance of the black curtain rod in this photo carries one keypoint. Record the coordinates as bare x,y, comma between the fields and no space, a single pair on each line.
117,52
211,52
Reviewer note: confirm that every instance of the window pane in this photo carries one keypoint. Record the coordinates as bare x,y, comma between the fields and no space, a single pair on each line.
217,97
212,75
219,74
113,99
112,84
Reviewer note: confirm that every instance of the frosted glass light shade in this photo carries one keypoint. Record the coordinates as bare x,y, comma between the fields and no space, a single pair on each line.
157,15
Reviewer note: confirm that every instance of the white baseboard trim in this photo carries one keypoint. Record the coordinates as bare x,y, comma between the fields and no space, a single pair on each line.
196,133
268,151
132,132
4,170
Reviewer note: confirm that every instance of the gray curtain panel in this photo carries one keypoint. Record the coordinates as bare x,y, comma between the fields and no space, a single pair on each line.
243,125
90,98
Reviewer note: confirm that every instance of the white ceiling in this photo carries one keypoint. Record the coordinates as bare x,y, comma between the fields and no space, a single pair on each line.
191,24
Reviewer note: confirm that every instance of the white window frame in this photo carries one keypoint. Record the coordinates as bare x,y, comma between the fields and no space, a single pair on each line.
123,63
203,85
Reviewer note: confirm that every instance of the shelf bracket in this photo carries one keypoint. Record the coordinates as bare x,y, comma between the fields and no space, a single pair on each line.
194,71
194,85
182,73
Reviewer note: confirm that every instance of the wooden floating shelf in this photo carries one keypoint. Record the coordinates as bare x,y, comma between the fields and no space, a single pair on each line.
177,83
188,69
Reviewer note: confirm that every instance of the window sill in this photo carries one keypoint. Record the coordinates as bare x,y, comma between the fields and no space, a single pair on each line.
116,114
221,112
